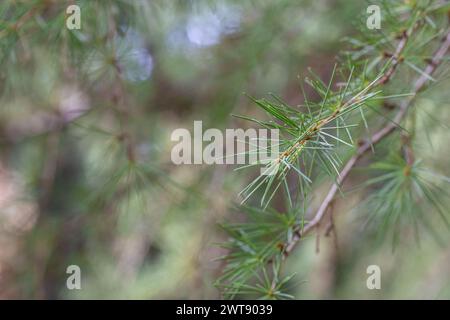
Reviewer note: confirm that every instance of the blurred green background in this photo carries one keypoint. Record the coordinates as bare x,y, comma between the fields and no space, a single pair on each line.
85,172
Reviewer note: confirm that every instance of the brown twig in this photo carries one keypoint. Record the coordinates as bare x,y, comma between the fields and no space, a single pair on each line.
396,59
20,22
366,146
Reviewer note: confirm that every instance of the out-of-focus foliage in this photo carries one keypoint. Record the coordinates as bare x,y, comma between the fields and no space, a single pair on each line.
85,172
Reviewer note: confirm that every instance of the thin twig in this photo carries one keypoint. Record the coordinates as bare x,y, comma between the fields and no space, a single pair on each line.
20,22
396,59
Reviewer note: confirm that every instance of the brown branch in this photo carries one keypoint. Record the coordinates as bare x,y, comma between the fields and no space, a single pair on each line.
396,58
366,146
407,150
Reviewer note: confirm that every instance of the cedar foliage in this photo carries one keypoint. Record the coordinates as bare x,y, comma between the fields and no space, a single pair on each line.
328,135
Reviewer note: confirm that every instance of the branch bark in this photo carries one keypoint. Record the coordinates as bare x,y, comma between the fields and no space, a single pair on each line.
376,137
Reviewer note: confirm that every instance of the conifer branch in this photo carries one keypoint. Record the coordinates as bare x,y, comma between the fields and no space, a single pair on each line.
376,137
